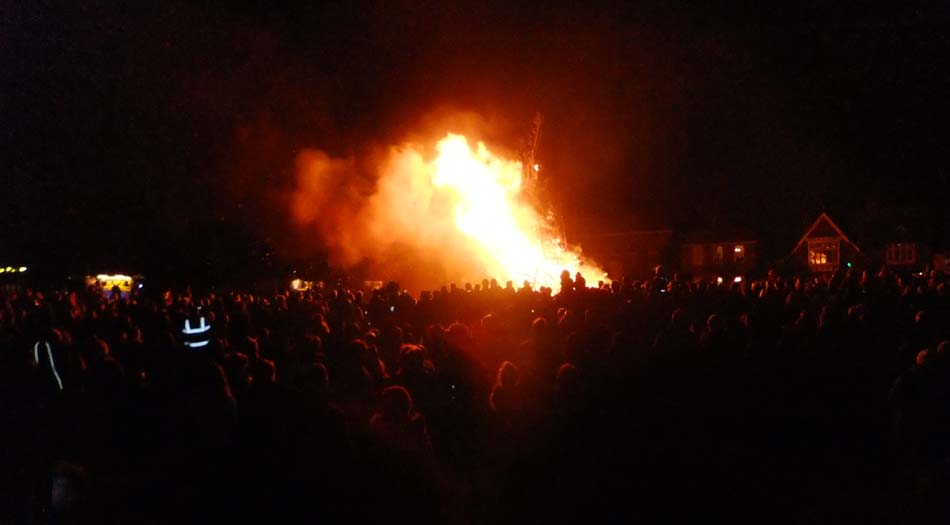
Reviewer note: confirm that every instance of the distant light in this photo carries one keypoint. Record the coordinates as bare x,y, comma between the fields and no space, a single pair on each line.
537,167
22,269
2,270
849,264
295,284
738,279
141,286
116,277
737,249
718,280
10,269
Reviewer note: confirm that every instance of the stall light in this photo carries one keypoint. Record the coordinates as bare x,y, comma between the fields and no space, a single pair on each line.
719,280
738,279
116,277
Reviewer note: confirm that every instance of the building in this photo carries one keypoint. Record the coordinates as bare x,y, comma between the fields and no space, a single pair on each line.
901,254
622,249
629,253
824,248
726,255
904,251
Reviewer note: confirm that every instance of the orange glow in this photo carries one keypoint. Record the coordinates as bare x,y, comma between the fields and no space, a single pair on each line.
511,237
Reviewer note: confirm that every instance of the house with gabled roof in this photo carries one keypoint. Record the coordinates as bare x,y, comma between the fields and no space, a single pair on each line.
824,248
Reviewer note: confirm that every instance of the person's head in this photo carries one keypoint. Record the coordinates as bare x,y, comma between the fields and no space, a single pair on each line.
458,336
539,327
435,333
250,348
236,368
856,313
412,359
396,403
679,320
315,380
310,348
264,372
507,375
943,349
715,324
97,350
356,351
827,318
568,380
69,494
107,378
321,377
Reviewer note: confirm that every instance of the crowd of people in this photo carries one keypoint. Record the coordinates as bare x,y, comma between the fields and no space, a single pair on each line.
798,399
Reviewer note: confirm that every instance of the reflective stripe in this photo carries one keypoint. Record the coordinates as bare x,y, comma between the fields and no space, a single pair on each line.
202,328
52,363
199,343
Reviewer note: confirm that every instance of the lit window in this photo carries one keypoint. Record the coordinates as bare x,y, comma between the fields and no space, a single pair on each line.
891,255
823,255
901,253
910,253
738,252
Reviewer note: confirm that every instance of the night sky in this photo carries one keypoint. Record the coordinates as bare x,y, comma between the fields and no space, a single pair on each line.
147,136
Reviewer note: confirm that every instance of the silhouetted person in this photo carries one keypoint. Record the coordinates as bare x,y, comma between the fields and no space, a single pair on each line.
507,400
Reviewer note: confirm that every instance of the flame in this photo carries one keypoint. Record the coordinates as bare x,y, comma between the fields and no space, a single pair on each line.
462,214
513,240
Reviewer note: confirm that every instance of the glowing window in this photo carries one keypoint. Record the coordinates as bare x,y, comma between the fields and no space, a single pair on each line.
901,253
823,255
738,252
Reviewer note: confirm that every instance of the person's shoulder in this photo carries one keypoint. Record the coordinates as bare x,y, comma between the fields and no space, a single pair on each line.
417,420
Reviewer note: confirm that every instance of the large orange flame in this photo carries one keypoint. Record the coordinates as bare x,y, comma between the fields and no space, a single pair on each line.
514,241
463,216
